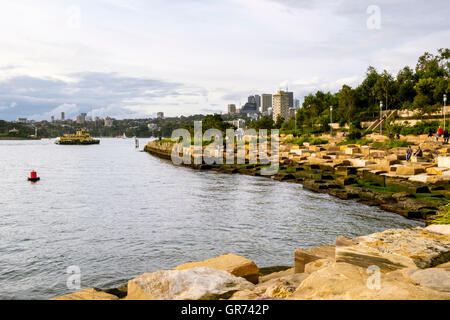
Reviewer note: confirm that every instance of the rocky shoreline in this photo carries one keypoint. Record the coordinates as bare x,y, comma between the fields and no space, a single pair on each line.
411,199
396,264
390,265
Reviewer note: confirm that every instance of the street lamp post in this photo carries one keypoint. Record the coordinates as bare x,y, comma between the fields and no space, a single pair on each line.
381,118
331,120
445,103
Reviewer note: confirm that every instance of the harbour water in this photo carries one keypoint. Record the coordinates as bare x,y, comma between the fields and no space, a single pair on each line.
116,213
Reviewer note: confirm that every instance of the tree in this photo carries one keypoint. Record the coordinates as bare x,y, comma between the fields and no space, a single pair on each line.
346,105
384,88
264,122
279,122
424,100
406,80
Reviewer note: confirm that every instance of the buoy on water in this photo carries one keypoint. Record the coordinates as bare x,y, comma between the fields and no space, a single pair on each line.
33,176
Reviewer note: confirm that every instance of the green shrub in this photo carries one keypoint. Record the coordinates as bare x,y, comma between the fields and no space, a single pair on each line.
362,142
417,129
317,141
443,217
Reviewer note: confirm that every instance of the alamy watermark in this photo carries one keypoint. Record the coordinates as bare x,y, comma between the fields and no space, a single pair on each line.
73,17
74,280
238,147
374,20
374,280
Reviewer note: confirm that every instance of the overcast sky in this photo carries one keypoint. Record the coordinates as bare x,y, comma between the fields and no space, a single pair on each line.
129,59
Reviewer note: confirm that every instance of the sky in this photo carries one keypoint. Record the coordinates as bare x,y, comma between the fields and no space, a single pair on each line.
132,59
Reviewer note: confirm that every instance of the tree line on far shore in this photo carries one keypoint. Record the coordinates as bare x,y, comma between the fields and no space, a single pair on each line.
419,89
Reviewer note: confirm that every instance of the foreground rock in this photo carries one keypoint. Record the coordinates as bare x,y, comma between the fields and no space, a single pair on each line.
199,283
234,264
88,294
395,249
344,281
280,286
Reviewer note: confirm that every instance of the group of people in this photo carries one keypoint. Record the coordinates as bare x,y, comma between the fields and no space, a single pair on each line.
409,153
440,133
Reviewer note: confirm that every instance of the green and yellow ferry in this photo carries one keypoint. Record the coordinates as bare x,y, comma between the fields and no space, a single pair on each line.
82,137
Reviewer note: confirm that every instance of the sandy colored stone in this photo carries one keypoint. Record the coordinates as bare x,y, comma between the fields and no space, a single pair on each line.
276,275
396,248
409,170
304,256
280,287
244,295
439,228
88,294
199,283
436,170
434,278
445,266
317,265
343,281
234,264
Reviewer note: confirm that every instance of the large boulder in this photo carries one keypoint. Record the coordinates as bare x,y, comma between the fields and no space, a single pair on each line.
88,294
234,264
344,281
396,249
199,283
304,256
433,278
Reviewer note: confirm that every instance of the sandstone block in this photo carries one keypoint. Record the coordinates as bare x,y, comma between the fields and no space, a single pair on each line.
436,170
303,257
444,161
234,264
192,284
396,249
343,281
409,170
88,294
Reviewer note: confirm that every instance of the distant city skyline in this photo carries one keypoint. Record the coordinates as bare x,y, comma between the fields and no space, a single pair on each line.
132,59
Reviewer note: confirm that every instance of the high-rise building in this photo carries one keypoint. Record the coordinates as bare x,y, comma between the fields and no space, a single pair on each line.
231,109
52,118
296,103
81,119
160,115
258,102
63,116
280,105
249,107
251,99
266,103
291,99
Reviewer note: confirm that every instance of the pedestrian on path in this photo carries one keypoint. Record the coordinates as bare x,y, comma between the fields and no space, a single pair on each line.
409,152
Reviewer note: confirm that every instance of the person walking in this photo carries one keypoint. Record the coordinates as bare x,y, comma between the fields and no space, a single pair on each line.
446,136
409,152
439,133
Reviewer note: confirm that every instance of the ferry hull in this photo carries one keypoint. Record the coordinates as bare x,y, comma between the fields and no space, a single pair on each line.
77,142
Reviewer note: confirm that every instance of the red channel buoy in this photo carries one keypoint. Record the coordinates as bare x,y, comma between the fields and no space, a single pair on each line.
33,176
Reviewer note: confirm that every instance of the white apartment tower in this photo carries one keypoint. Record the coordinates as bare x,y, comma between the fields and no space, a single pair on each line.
280,105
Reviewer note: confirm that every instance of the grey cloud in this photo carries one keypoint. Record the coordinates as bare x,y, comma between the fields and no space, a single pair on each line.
89,90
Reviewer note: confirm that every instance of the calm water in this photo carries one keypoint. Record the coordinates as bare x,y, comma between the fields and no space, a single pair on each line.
117,213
